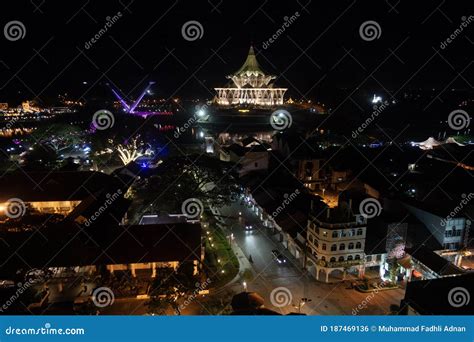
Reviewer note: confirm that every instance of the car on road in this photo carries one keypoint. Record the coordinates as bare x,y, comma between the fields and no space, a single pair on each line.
280,258
248,227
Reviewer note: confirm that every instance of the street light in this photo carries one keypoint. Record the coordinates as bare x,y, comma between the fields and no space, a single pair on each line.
302,302
245,286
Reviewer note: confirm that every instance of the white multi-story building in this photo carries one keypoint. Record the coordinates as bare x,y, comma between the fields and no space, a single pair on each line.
335,242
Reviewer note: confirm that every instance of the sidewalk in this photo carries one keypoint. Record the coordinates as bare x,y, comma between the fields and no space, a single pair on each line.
244,264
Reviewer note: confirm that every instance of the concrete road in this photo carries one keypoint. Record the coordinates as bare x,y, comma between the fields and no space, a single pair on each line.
289,282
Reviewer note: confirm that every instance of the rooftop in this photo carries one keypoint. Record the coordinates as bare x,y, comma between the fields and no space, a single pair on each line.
65,246
54,186
433,261
432,297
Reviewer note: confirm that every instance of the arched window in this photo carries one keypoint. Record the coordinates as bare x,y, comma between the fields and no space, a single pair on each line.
349,258
357,257
333,248
323,258
333,259
335,234
353,232
358,245
341,258
359,231
351,245
342,247
316,243
311,238
324,246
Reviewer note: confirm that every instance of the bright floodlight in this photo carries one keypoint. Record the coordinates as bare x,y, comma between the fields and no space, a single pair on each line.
376,99
201,112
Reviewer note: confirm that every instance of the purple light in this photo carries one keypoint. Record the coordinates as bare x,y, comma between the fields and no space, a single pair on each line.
130,109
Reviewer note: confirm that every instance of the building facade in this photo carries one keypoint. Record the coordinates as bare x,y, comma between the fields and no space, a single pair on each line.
251,86
334,245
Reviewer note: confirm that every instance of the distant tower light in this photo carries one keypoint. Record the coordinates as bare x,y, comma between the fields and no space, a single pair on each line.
376,99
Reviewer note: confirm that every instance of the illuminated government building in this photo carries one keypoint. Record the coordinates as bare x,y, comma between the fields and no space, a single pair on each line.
250,86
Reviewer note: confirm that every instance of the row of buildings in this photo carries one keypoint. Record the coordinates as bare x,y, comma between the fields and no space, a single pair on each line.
76,221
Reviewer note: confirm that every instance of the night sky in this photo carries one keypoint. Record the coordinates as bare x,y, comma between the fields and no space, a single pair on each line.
320,52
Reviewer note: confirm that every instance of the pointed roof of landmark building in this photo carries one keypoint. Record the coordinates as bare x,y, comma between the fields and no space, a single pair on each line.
251,66
250,74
